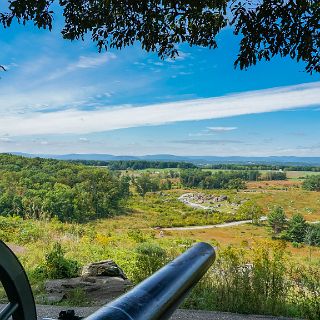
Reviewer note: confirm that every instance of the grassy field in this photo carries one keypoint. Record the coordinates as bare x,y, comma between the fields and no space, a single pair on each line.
119,237
99,239
300,174
245,236
291,175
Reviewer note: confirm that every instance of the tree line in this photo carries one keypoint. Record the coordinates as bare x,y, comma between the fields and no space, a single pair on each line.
233,179
145,164
46,188
271,167
136,164
197,178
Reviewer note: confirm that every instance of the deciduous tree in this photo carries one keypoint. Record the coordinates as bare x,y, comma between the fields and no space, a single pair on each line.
277,220
267,27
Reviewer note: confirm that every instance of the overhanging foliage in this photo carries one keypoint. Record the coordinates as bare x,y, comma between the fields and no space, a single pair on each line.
267,27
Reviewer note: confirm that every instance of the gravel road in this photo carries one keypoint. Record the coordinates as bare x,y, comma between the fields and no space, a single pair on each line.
53,311
221,225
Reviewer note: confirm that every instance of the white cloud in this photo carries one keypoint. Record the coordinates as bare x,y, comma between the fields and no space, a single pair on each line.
40,99
210,131
182,56
208,142
80,122
221,129
84,62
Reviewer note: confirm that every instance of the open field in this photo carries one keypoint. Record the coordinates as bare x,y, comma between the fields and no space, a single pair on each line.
133,238
161,209
291,175
244,236
300,174
112,237
275,184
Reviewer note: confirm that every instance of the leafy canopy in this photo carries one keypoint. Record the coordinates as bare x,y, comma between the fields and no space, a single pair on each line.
267,27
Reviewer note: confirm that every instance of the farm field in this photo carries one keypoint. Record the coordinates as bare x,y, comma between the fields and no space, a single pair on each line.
300,174
291,175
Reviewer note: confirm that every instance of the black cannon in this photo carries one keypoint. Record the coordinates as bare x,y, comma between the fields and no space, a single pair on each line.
155,298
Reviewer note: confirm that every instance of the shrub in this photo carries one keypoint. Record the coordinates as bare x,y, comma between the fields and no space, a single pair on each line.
237,284
56,266
250,210
150,258
259,281
296,244
312,236
236,183
136,235
312,183
145,183
306,281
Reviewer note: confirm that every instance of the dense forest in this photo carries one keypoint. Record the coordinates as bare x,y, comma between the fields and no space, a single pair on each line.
217,180
46,188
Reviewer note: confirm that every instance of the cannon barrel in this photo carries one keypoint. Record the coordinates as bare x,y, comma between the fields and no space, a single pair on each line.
158,296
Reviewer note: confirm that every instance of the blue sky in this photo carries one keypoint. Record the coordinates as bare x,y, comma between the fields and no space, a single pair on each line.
63,97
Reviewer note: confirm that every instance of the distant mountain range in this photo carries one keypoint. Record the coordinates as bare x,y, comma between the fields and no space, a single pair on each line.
194,159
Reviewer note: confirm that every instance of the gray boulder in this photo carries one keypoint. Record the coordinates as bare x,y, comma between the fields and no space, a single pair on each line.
96,290
100,282
107,268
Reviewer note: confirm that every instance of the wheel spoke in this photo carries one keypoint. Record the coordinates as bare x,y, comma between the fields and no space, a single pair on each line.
16,286
8,310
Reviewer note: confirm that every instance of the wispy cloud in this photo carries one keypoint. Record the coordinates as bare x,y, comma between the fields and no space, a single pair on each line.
210,131
182,56
221,129
93,61
84,62
107,119
207,142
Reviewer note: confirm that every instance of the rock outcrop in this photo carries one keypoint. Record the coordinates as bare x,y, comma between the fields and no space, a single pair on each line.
202,198
99,283
107,268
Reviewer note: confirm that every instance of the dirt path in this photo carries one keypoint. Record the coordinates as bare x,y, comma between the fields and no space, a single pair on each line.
220,225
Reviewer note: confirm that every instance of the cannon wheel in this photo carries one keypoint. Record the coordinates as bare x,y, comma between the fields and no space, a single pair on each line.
21,304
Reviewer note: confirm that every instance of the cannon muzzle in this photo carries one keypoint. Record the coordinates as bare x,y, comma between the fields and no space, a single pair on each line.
158,296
